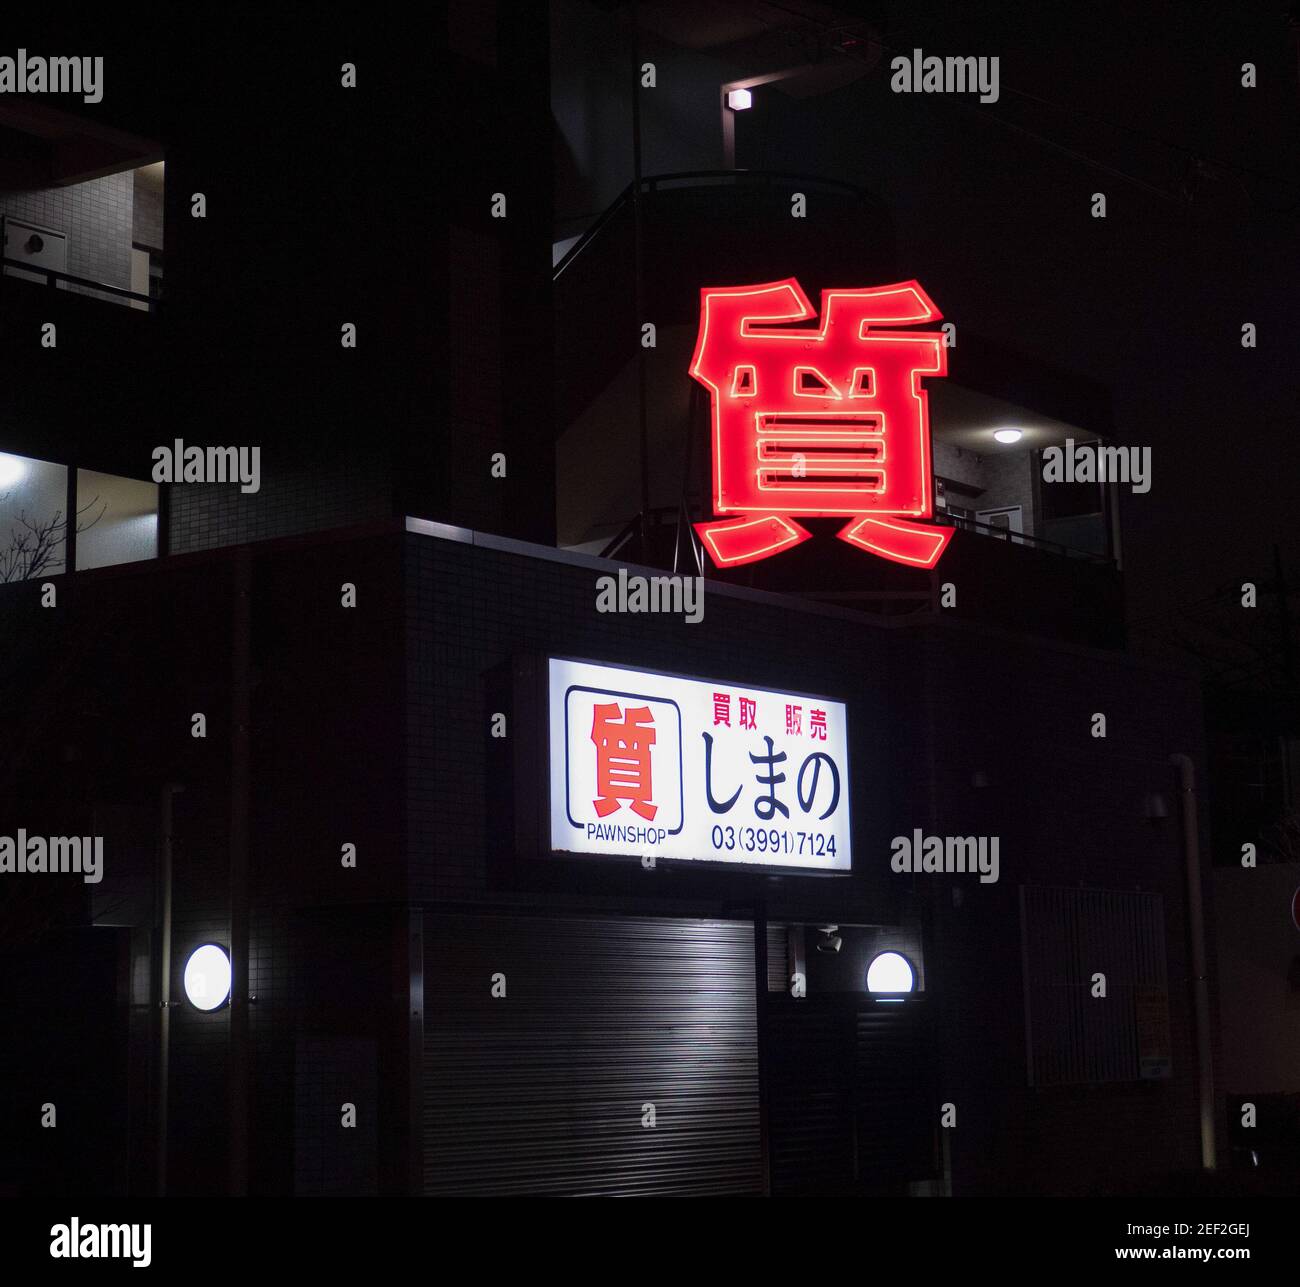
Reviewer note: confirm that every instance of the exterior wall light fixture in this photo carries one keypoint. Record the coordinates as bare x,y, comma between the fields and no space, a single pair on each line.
207,977
890,972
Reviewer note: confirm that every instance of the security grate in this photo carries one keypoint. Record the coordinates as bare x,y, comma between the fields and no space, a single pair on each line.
545,1090
1068,937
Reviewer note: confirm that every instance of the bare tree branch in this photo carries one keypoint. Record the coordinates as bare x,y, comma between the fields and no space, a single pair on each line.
36,547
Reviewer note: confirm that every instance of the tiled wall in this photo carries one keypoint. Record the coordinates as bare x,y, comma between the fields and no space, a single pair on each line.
472,609
324,761
147,223
96,217
932,707
1006,477
1009,480
293,498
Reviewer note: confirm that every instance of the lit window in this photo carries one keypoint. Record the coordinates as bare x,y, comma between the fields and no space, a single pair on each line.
117,520
33,517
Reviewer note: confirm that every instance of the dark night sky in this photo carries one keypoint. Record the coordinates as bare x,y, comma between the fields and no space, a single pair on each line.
1150,301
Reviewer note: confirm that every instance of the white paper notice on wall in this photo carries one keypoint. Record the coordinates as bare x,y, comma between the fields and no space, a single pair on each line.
643,763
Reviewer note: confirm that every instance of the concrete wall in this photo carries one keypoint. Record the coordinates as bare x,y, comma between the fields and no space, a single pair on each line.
1069,811
960,465
1007,479
147,219
681,127
154,641
1259,978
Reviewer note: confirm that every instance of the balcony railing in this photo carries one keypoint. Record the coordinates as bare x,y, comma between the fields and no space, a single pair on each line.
1024,538
750,179
53,277
636,534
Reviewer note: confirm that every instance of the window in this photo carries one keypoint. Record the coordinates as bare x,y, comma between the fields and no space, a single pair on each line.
117,520
33,517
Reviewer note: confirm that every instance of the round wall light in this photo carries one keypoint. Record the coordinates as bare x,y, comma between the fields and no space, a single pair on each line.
890,972
207,977
1008,435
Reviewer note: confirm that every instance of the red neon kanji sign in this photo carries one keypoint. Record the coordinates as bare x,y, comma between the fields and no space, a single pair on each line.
819,423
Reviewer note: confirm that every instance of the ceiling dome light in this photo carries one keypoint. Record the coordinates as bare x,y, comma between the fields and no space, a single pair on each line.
1008,435
12,470
889,972
207,977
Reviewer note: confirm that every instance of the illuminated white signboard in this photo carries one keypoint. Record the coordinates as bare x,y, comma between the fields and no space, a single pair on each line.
649,764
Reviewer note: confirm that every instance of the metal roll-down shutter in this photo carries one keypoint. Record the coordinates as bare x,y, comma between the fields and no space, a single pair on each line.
544,1090
851,1095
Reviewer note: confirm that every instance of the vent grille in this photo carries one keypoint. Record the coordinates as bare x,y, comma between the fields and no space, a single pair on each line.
1069,936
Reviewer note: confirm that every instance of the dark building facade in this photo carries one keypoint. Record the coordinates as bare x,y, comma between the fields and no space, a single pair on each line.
370,726
428,997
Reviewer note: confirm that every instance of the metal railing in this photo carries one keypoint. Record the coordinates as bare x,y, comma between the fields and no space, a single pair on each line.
700,179
53,276
1024,538
637,529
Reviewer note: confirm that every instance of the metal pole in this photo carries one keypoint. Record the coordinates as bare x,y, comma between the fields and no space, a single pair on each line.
240,716
683,504
164,887
70,525
728,131
414,926
1196,931
1284,620
639,269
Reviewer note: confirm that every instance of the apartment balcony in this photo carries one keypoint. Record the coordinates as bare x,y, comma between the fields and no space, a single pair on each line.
81,210
685,231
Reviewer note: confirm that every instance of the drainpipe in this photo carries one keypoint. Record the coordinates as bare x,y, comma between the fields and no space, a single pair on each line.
1196,930
240,736
638,268
164,890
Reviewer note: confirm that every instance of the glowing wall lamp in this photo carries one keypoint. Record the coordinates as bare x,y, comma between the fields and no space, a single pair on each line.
739,100
1008,436
890,972
207,977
